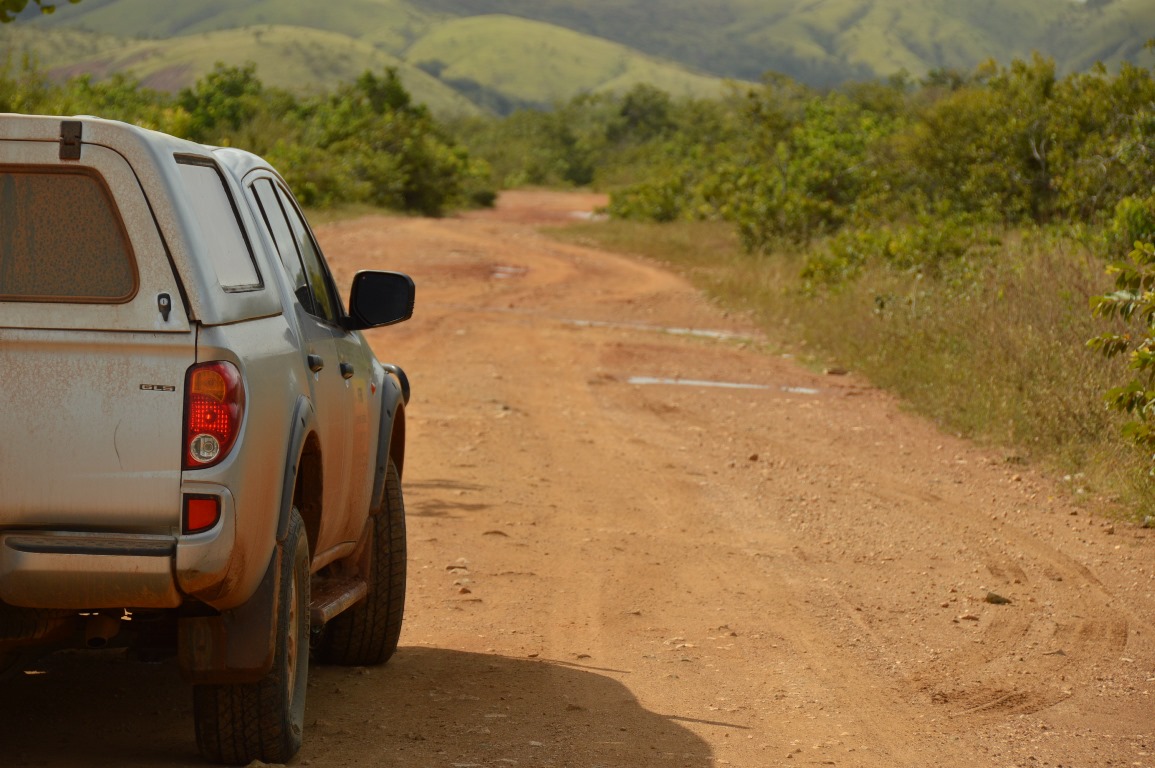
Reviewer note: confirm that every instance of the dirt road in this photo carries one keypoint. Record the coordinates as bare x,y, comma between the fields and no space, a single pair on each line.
634,545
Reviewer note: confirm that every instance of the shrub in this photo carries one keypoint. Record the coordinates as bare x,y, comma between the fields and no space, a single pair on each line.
1133,304
1134,221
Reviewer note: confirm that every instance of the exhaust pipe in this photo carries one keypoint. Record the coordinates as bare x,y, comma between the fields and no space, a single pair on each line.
100,629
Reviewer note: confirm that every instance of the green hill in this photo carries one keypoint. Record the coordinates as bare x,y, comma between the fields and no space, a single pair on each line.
388,24
539,64
455,65
828,41
502,54
1108,32
293,58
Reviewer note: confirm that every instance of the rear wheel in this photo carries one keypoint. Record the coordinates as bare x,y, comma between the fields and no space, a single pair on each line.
8,663
367,633
243,722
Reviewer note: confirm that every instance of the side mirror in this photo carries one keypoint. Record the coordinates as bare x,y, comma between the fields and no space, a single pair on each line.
380,298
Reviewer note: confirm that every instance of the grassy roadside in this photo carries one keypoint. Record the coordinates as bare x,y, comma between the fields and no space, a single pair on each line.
996,354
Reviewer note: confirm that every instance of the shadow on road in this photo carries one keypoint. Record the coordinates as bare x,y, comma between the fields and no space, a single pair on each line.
96,709
433,706
427,707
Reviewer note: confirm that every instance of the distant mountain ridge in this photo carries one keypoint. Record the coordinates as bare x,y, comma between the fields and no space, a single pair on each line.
829,41
497,55
448,62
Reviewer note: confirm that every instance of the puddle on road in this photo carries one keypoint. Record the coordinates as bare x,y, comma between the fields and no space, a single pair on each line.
697,332
693,383
504,272
589,215
651,380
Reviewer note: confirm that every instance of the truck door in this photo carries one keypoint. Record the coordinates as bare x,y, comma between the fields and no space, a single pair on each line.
317,313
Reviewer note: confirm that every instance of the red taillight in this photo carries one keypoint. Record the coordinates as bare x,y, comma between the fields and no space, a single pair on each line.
200,513
214,407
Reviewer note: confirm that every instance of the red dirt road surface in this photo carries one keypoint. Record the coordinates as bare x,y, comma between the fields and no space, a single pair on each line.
639,538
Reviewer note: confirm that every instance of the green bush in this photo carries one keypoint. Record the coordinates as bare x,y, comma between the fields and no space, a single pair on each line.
1134,221
1132,304
366,142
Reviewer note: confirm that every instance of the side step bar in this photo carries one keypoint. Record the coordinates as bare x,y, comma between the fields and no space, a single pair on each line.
331,597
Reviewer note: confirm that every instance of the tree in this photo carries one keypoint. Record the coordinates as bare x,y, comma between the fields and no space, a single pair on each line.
9,9
222,101
644,115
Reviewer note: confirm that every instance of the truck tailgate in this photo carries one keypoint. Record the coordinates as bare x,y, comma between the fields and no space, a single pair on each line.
92,429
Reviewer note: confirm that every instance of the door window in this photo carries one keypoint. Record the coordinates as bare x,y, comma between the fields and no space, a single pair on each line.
315,271
285,242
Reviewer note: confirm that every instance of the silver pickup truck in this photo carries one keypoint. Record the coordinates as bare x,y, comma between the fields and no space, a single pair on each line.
200,454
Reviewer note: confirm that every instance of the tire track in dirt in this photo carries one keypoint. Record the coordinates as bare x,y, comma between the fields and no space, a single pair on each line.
799,567
605,572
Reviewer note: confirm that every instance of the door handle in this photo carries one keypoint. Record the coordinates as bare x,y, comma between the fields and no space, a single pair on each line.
346,370
315,362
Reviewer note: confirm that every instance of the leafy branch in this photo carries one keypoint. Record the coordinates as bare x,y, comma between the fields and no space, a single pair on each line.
9,9
1132,302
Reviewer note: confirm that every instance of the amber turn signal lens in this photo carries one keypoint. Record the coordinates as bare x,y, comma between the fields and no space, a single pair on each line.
208,382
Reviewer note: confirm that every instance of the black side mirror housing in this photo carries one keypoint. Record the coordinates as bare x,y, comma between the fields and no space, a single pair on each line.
380,298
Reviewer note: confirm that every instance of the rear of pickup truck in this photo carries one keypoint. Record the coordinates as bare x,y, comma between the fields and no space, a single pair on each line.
201,456
94,348
133,320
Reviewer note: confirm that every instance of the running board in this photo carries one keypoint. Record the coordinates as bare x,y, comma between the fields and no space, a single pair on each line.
331,597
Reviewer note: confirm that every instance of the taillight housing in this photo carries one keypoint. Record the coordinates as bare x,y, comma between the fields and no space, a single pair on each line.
214,408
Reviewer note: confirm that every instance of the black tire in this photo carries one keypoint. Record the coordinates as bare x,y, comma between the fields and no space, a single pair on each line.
9,664
239,723
367,633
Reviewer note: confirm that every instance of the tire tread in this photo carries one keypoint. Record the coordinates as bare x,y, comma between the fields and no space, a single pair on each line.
239,723
368,633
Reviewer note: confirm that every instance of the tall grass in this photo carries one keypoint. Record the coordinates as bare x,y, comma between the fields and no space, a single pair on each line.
993,351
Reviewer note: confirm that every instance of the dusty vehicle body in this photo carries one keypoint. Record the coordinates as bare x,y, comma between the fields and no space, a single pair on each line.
201,454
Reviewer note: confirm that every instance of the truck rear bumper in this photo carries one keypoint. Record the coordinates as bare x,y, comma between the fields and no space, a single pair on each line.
87,570
81,570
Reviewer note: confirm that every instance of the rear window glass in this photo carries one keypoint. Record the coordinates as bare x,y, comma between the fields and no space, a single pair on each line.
221,230
61,239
